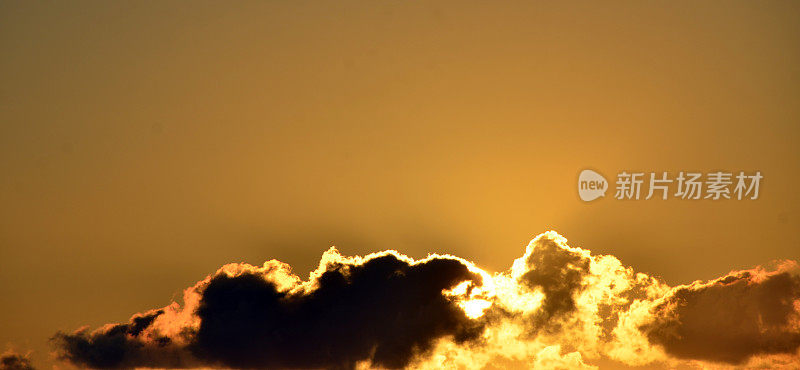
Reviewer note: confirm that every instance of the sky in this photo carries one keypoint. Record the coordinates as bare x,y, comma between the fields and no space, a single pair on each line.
145,144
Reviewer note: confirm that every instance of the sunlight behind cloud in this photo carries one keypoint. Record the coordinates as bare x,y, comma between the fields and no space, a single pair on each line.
557,306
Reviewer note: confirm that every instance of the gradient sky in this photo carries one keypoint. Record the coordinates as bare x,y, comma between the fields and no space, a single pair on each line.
144,144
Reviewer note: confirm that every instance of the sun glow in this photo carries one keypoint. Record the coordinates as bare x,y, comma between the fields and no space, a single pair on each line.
474,300
474,308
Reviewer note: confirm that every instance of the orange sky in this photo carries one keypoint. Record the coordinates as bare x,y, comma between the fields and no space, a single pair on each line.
145,144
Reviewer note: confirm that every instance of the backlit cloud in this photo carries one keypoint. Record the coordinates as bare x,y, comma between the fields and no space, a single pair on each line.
11,360
556,306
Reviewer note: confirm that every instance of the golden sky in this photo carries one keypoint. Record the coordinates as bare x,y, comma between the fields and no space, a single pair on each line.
145,144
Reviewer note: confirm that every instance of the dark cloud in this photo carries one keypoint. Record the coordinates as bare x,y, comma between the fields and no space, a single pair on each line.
121,346
730,319
385,310
556,307
14,361
559,273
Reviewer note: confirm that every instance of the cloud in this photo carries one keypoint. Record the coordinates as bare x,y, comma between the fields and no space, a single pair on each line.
123,346
556,306
11,360
384,309
732,318
560,274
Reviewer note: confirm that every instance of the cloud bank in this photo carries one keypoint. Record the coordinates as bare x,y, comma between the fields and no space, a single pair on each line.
555,307
11,360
